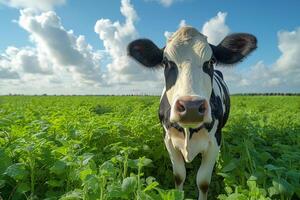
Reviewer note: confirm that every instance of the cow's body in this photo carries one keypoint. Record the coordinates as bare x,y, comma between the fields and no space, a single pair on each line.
195,103
205,139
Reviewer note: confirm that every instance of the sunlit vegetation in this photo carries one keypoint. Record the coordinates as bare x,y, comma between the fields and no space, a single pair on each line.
89,147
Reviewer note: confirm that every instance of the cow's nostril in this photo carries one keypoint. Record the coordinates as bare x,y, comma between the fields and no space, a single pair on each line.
180,106
202,108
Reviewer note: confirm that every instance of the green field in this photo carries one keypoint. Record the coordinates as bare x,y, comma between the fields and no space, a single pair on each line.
89,147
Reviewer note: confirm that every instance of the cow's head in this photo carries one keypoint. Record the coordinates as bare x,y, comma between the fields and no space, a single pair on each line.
188,61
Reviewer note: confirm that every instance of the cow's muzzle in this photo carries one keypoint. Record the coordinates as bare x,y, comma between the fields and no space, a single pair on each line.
190,110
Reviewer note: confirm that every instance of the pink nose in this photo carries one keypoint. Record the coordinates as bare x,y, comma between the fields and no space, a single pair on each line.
190,109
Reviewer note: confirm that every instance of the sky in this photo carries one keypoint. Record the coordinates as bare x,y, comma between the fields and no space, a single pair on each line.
79,47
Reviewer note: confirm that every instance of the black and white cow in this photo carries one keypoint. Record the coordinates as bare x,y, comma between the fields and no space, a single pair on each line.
195,102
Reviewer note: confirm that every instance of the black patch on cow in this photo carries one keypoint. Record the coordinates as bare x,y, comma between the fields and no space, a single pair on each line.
234,48
220,74
217,113
217,109
164,111
178,180
195,130
204,187
216,106
208,68
170,72
207,126
225,100
218,135
145,52
227,106
164,114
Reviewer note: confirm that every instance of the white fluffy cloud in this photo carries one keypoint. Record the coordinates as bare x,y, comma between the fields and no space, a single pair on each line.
289,47
34,4
115,37
25,60
284,74
166,3
60,60
215,28
6,72
56,49
281,76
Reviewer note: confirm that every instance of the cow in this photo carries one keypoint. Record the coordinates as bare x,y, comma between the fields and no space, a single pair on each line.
195,103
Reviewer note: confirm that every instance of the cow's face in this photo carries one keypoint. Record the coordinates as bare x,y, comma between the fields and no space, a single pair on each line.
188,69
188,61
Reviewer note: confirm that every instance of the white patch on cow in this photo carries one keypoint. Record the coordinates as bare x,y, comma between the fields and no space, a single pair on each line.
180,146
189,49
208,161
176,159
162,94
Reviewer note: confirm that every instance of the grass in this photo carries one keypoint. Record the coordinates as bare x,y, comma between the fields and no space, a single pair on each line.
89,147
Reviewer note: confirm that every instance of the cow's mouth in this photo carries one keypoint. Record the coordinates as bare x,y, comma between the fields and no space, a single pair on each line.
194,123
191,125
197,126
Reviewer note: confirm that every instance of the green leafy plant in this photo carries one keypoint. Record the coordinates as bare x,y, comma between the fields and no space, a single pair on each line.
89,147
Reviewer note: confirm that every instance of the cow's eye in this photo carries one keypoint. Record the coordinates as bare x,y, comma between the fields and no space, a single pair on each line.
170,65
208,66
211,62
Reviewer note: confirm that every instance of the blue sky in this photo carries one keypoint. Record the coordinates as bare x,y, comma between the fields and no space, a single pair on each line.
265,19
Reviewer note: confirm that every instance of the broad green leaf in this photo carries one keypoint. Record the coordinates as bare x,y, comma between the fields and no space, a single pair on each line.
5,161
282,186
273,191
151,186
150,180
62,150
23,187
171,194
59,167
228,190
143,196
2,183
84,173
224,175
55,183
230,166
86,158
17,171
92,182
115,191
73,195
129,184
144,162
274,168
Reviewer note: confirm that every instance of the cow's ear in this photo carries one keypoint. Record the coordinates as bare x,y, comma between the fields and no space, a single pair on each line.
145,52
234,48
